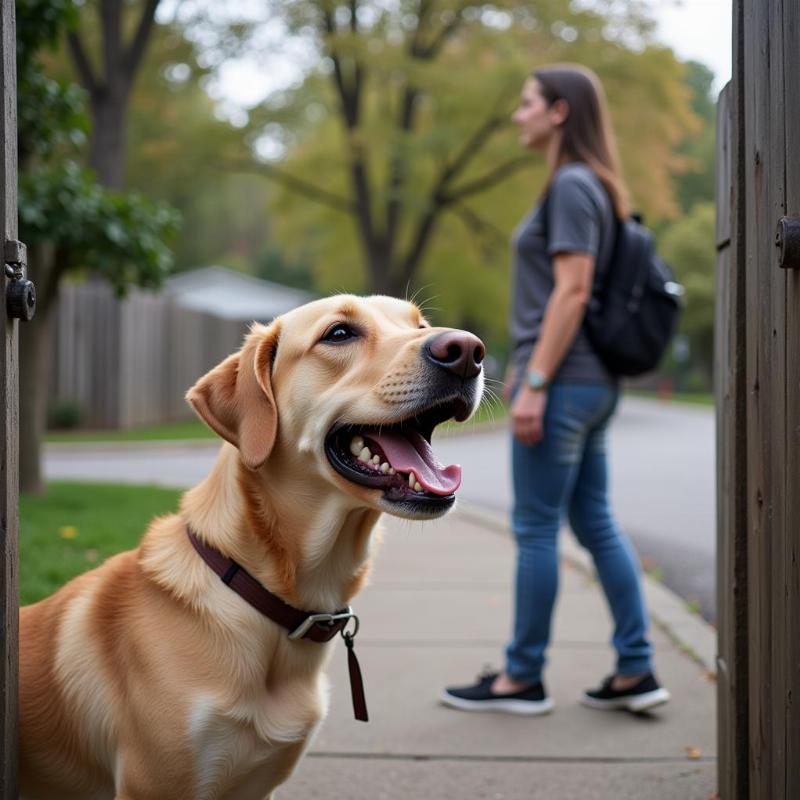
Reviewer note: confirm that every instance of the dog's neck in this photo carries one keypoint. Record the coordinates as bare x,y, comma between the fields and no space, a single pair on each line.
309,547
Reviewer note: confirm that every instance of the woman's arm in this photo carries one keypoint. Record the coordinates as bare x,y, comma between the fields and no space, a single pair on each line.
573,273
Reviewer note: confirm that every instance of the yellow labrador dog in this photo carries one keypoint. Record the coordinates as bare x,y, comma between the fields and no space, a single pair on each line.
152,678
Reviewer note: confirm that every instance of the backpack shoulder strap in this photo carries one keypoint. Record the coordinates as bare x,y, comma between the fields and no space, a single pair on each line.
544,213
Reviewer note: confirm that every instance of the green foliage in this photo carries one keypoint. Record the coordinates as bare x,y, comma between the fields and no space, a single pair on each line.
696,183
688,246
64,415
272,265
121,236
50,112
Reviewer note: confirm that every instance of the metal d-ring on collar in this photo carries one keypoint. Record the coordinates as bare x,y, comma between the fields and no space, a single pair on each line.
318,627
326,619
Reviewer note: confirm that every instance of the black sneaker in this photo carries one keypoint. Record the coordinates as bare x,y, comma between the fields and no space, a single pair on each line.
642,696
479,697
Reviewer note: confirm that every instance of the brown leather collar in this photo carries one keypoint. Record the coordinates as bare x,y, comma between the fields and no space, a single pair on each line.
317,626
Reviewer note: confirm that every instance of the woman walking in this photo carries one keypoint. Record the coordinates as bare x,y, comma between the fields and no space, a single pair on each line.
563,399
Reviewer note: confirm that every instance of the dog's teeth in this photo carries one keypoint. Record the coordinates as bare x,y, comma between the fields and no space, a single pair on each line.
411,479
391,470
365,454
376,459
417,487
356,445
385,468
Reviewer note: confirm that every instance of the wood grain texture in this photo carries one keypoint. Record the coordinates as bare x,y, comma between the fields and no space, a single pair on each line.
9,427
724,344
731,392
791,552
771,619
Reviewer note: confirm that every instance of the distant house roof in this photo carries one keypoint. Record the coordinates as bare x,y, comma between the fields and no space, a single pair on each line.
233,295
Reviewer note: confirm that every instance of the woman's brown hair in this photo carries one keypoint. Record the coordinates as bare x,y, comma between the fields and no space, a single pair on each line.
586,134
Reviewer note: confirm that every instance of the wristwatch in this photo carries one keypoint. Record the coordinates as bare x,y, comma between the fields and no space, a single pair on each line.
536,380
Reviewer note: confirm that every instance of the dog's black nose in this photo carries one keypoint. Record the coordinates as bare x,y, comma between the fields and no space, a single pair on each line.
458,352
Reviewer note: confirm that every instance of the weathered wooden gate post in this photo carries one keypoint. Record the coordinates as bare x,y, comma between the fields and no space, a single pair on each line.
758,395
9,420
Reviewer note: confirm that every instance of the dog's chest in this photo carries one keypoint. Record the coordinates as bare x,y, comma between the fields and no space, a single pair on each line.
237,751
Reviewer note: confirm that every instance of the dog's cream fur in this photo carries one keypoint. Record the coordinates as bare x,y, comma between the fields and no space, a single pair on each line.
148,678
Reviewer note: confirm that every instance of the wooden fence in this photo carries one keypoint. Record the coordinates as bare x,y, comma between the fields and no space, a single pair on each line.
129,362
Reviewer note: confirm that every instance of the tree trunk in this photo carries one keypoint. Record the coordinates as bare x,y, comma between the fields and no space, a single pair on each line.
383,280
34,365
107,149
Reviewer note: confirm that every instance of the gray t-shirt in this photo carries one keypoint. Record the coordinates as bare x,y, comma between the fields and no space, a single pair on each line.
580,220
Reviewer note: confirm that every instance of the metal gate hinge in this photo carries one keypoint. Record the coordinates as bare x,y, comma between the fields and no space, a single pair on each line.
15,253
20,292
787,239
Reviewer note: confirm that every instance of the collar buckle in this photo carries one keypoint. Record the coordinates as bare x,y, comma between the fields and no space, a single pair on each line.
326,619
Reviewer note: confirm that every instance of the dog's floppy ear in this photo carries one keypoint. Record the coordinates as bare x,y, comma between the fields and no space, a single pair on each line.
235,399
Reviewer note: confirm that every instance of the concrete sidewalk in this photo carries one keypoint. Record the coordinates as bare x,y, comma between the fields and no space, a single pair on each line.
438,610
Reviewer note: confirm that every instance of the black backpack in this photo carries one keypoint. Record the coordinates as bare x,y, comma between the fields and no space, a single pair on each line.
635,306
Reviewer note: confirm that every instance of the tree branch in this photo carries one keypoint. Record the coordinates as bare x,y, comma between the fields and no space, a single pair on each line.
440,198
294,184
353,16
415,46
350,98
423,234
82,63
111,25
405,123
432,50
476,224
345,93
470,149
135,52
489,179
396,165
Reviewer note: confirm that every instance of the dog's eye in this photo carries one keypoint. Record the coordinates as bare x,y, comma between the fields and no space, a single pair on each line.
340,332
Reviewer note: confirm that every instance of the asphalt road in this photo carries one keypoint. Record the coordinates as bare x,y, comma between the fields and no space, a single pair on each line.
662,486
662,466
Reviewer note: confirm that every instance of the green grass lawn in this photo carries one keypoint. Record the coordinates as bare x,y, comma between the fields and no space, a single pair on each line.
75,526
692,398
188,429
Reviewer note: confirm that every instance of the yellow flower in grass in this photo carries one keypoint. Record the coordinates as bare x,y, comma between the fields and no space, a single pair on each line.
67,531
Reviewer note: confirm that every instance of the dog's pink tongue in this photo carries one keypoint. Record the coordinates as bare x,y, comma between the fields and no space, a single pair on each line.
409,452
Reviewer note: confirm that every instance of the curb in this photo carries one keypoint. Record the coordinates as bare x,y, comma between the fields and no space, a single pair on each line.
690,632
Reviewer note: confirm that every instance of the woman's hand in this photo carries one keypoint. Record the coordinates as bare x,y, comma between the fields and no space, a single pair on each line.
527,415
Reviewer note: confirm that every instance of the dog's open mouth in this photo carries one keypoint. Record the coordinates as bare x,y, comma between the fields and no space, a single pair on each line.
398,458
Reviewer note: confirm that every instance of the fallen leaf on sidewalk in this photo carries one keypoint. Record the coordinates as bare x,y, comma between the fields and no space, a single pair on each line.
693,753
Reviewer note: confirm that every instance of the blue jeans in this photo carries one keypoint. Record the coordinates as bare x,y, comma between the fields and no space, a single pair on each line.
566,472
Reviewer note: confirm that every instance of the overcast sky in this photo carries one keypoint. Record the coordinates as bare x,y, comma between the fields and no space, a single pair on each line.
695,29
699,30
